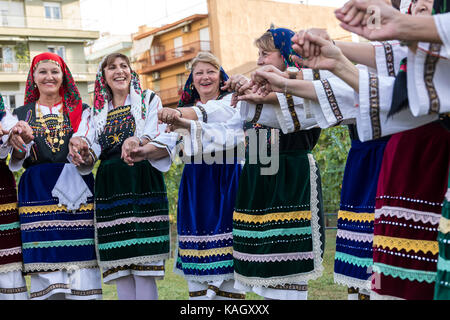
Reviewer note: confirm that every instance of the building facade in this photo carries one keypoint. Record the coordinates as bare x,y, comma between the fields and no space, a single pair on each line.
30,27
229,29
162,55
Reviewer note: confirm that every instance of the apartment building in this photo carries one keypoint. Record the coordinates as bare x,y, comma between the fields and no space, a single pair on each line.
30,27
163,55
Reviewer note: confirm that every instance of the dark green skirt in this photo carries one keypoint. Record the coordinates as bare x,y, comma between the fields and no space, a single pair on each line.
132,221
278,232
442,291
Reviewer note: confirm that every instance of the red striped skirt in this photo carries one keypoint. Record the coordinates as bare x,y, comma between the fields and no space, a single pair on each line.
411,190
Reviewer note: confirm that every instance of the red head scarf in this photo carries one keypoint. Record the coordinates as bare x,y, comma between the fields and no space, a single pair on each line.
69,92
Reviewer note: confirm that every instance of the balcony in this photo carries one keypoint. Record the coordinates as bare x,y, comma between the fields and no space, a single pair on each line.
18,71
170,97
171,57
29,26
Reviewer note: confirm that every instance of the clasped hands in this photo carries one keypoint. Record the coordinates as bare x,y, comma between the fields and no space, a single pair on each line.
316,51
19,136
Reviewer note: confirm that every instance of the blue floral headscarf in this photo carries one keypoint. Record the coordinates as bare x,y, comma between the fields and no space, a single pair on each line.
190,94
282,40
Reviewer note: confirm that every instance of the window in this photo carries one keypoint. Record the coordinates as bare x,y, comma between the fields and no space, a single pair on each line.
205,44
7,59
52,10
4,15
59,50
181,80
157,86
10,100
178,45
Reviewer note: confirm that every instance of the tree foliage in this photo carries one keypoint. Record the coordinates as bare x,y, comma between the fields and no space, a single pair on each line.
331,155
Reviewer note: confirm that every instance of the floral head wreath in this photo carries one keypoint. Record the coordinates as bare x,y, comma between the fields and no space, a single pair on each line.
102,99
68,91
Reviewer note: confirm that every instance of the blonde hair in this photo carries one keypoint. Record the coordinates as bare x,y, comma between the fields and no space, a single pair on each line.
206,57
266,42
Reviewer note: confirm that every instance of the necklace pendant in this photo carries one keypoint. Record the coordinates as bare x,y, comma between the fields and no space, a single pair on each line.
61,142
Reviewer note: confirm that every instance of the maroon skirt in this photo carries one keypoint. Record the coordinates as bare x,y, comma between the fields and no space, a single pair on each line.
411,190
10,241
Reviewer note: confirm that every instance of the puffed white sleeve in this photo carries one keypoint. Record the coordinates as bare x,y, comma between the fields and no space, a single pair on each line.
156,132
428,79
265,114
214,110
206,138
442,22
335,104
292,114
375,99
8,122
388,57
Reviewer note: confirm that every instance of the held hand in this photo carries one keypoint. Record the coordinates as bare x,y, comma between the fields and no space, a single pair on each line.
26,132
79,152
268,79
371,19
309,49
129,146
168,115
179,124
21,135
235,83
329,57
3,132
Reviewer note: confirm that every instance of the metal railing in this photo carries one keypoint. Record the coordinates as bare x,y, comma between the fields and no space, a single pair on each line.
188,50
42,22
169,95
24,67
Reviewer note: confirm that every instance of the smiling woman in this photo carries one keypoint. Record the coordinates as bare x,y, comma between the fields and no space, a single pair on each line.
57,232
132,229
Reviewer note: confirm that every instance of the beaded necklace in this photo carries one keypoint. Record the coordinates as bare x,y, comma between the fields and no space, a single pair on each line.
54,138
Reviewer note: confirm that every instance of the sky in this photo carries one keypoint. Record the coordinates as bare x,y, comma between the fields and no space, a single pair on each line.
125,16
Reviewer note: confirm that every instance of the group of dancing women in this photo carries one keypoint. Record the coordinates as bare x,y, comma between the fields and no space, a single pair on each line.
240,228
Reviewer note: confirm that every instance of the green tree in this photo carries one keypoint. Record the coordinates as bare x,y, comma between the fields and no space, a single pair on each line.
331,155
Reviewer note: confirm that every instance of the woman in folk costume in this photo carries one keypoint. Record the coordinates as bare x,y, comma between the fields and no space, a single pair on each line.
208,186
132,218
12,282
55,203
279,239
409,198
427,83
442,289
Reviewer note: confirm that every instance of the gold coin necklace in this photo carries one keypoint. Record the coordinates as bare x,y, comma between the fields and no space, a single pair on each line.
53,138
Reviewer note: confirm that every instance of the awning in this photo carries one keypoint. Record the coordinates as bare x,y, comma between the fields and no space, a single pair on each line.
142,45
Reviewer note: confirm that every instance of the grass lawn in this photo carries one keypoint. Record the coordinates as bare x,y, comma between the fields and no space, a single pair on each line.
174,287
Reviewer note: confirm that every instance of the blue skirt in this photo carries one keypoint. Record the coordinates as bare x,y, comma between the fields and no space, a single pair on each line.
206,203
54,238
354,241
